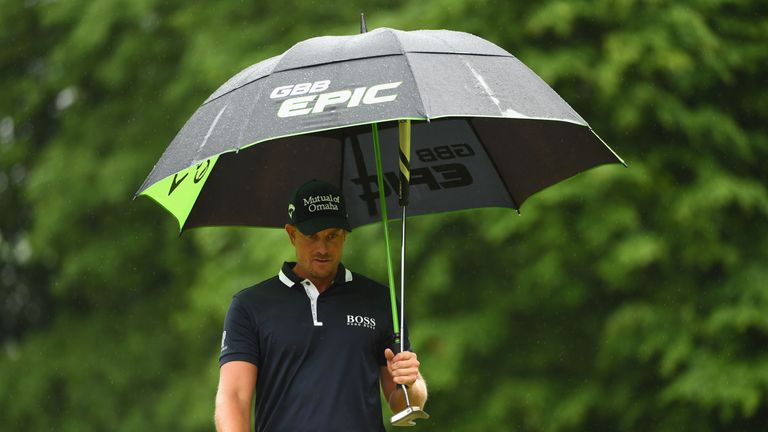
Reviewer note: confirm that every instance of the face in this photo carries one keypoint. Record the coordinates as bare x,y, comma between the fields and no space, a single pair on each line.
317,255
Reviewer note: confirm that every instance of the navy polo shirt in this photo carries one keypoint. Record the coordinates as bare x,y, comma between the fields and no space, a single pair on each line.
318,355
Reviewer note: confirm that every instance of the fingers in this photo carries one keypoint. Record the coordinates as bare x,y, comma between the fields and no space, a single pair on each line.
404,367
389,355
406,379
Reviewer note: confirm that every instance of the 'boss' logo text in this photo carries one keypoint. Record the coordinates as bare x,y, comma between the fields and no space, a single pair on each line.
361,321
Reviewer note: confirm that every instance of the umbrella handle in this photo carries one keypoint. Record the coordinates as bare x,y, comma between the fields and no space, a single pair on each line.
404,127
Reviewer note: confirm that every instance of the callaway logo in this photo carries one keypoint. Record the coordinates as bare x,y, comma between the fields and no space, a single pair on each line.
291,209
361,321
314,104
223,340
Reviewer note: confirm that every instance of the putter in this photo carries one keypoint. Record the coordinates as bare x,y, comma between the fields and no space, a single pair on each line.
411,413
407,416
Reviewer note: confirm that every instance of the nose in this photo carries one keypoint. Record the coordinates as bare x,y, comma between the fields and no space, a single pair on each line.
323,246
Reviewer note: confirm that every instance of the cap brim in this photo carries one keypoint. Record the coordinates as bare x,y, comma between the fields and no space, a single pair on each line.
318,224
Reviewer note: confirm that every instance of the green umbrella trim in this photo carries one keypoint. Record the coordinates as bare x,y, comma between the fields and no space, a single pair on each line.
178,193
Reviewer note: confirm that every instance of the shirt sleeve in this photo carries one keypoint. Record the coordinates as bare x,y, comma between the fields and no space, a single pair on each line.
240,338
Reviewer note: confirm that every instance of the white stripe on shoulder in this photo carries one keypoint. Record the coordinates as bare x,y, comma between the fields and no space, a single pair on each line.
348,276
284,279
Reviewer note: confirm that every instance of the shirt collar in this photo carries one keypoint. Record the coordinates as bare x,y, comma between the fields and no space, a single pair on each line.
289,278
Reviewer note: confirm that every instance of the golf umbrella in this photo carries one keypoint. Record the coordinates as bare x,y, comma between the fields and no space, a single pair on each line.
483,131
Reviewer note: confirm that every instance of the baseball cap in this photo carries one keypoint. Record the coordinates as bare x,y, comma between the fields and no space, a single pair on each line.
317,205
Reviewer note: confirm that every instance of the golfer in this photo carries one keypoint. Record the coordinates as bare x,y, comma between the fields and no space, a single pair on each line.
313,341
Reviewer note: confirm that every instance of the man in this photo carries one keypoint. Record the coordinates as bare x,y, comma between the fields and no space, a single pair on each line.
313,341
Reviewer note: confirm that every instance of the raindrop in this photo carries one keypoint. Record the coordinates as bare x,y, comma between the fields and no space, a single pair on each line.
8,276
18,173
3,181
66,98
33,311
23,251
36,67
150,22
11,349
18,298
6,131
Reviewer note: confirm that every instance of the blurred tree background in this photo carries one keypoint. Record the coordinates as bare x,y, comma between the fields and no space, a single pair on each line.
620,300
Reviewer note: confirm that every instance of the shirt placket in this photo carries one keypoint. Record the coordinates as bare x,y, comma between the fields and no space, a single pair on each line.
313,294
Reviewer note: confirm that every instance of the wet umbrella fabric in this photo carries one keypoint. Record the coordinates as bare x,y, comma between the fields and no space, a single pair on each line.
487,132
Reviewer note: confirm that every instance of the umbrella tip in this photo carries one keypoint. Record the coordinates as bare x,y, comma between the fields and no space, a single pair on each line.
363,27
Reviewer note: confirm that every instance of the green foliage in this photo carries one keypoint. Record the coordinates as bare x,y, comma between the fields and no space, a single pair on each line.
620,300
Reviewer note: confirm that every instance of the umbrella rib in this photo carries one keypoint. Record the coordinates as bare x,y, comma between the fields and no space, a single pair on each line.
362,172
402,52
416,84
419,93
210,130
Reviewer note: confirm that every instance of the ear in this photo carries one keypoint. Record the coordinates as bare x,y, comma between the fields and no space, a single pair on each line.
291,230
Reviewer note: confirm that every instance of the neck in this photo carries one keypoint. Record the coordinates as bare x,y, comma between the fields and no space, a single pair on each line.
320,284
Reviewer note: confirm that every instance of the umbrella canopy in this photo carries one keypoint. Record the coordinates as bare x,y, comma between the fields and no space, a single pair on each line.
487,131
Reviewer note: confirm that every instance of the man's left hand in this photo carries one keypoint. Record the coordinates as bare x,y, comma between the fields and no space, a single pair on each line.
403,367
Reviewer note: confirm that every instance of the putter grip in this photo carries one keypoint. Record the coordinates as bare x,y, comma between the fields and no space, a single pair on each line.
395,347
403,192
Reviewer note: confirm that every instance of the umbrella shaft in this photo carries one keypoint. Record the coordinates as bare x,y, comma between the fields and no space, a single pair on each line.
402,300
383,209
402,284
404,132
